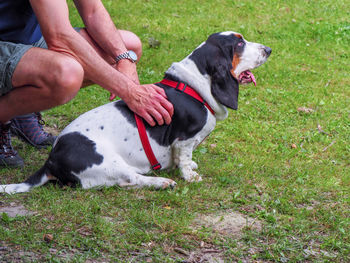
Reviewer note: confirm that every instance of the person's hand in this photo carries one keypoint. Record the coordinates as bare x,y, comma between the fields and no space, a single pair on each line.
150,102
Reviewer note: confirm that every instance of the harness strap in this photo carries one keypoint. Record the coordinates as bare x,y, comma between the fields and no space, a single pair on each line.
188,90
145,143
142,129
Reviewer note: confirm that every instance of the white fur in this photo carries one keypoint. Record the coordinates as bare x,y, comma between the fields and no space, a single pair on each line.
20,188
252,57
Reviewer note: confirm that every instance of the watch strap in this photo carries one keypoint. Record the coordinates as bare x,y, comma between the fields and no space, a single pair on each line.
124,55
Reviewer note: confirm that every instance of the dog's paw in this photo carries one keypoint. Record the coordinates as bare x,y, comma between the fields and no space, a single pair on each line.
165,183
191,176
194,165
169,184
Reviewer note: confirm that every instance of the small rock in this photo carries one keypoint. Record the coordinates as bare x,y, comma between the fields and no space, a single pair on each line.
305,110
153,43
48,238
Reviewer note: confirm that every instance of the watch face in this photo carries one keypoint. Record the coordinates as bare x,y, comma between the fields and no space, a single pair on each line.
133,55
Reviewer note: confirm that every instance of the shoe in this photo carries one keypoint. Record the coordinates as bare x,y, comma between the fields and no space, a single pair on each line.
29,128
8,156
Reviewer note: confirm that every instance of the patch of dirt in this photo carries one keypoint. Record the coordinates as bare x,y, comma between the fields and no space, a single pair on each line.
231,223
14,209
14,255
228,223
204,254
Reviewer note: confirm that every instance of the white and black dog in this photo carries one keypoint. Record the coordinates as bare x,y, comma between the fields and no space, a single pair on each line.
102,147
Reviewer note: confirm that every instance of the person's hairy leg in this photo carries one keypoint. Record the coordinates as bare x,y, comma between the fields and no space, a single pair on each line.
42,79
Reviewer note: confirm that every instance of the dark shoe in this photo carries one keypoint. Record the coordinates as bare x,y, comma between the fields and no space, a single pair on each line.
29,127
8,156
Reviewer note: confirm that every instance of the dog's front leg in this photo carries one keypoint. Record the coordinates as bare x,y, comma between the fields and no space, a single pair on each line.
182,152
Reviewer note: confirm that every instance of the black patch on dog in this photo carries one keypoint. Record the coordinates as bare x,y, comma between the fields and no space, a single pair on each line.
73,153
35,179
189,117
214,58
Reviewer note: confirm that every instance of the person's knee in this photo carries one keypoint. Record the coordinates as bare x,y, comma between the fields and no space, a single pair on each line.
68,78
132,42
137,46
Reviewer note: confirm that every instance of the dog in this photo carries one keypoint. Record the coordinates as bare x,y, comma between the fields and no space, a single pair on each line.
102,147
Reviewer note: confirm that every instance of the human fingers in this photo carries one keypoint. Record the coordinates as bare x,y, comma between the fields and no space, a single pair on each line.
159,90
112,96
164,103
169,108
148,118
157,115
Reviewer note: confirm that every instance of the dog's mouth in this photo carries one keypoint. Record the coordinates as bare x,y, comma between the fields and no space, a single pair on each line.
246,77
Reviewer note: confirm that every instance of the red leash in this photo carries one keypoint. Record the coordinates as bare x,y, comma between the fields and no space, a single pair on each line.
142,129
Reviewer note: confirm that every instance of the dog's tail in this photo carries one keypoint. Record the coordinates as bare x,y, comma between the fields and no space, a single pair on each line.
37,179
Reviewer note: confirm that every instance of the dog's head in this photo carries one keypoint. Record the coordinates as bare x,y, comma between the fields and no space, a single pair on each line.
227,59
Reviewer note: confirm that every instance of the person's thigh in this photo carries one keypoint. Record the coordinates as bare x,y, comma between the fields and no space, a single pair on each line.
40,67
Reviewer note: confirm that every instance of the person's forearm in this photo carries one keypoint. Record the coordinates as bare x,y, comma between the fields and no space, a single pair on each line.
100,27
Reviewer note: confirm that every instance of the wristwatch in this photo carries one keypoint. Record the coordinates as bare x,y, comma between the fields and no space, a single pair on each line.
131,55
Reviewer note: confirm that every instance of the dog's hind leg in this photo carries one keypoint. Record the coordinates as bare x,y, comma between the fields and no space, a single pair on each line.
115,171
127,177
37,179
139,181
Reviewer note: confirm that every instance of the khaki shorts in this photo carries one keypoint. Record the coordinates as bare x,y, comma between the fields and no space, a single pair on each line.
10,55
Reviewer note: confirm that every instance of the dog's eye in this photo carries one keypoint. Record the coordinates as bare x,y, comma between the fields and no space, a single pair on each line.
240,44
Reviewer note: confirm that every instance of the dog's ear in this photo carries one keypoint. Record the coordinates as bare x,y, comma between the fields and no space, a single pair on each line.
224,86
225,89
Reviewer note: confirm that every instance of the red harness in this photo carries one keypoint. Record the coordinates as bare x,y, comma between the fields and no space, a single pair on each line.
141,126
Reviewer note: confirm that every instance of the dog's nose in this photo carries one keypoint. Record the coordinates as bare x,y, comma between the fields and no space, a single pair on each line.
268,51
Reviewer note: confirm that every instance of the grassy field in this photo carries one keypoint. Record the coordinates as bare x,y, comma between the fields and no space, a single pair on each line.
281,162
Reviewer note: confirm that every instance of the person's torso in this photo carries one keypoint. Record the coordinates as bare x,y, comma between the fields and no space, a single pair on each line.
18,22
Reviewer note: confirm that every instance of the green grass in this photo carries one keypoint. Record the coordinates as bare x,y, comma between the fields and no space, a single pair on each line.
300,195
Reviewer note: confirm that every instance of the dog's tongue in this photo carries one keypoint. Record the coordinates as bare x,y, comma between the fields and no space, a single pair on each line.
247,77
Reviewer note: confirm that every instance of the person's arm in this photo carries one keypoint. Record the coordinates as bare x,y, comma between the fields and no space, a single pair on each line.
145,100
103,31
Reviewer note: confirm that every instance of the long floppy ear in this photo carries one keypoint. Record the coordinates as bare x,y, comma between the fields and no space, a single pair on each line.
224,86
